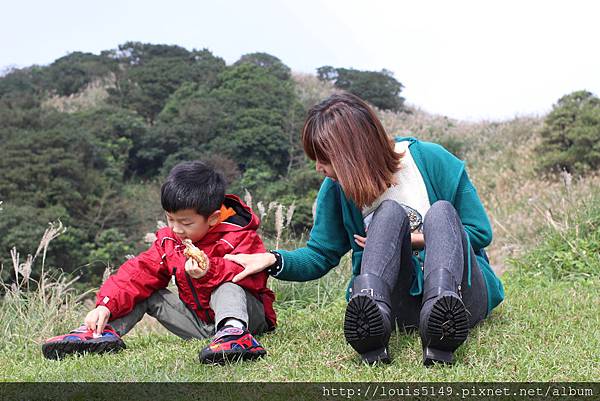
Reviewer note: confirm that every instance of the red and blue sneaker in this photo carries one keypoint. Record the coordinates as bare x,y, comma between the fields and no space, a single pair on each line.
83,340
232,344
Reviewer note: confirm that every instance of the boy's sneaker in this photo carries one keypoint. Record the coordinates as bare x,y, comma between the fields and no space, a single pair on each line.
232,344
82,340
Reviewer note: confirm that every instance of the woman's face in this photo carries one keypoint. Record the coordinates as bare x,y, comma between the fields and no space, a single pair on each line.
326,169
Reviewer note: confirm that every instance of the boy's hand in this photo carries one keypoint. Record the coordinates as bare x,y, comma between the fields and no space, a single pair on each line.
252,263
192,268
97,318
361,241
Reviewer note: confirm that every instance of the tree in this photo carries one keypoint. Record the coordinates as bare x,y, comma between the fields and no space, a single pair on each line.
152,73
253,139
188,122
71,73
137,53
24,81
327,73
108,249
74,170
20,98
380,89
261,114
98,169
571,134
270,63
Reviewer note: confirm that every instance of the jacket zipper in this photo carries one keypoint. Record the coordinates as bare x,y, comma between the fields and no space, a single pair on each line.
175,278
195,298
194,294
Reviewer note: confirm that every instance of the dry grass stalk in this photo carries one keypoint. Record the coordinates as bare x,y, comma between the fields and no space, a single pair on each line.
50,234
25,269
290,214
107,273
15,260
248,198
149,238
261,210
567,180
278,223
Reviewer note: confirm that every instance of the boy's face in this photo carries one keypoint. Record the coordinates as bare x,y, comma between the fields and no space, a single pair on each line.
188,224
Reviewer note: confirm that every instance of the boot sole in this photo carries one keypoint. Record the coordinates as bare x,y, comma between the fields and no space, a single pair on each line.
364,329
220,358
59,349
447,329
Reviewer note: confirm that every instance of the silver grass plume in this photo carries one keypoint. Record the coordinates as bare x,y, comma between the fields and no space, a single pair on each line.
248,198
278,223
261,210
290,214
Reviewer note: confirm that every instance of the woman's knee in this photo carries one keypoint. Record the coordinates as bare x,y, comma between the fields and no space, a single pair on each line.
391,212
439,211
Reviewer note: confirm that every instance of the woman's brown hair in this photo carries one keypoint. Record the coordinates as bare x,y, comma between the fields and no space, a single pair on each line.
344,131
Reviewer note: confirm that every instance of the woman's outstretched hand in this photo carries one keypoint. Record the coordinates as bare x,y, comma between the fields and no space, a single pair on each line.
252,263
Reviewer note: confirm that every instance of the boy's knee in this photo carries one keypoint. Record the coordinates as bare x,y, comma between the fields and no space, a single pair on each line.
228,291
229,286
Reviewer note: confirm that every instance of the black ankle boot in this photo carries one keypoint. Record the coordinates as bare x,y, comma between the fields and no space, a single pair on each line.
444,324
368,319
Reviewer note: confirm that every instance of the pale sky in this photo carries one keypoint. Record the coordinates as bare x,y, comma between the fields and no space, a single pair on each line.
472,60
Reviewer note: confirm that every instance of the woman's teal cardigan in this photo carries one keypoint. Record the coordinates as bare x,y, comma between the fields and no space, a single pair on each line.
337,219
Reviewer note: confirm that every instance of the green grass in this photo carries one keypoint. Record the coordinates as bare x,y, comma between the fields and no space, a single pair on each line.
546,330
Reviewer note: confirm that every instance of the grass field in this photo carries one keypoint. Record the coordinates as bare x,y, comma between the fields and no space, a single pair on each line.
544,331
547,240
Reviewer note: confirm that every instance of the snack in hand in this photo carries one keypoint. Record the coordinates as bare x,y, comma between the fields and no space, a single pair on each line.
191,251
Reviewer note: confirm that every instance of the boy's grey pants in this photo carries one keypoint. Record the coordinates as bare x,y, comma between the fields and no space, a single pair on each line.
229,300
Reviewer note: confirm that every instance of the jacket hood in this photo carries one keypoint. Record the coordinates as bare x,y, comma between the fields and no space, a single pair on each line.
244,218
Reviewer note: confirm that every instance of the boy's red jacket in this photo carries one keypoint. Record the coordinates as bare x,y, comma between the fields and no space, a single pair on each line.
151,270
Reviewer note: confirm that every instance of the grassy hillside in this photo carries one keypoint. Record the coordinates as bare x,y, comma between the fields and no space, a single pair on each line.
545,331
546,239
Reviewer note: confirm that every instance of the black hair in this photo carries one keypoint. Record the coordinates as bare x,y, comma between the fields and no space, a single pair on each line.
193,185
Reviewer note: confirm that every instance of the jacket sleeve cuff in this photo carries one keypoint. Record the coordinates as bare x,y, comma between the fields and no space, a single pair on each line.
276,267
107,302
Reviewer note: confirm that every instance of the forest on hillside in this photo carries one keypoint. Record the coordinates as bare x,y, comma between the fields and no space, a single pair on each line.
87,140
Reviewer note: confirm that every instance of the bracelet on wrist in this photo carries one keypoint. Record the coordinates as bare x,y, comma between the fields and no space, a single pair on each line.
275,268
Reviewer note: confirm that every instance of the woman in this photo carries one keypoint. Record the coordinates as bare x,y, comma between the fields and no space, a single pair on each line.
423,264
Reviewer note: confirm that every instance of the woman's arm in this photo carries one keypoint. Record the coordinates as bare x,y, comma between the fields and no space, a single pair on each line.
327,243
472,214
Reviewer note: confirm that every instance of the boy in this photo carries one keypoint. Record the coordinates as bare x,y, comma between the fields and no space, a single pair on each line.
198,212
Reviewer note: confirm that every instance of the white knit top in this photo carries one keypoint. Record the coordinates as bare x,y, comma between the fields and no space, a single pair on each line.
408,189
